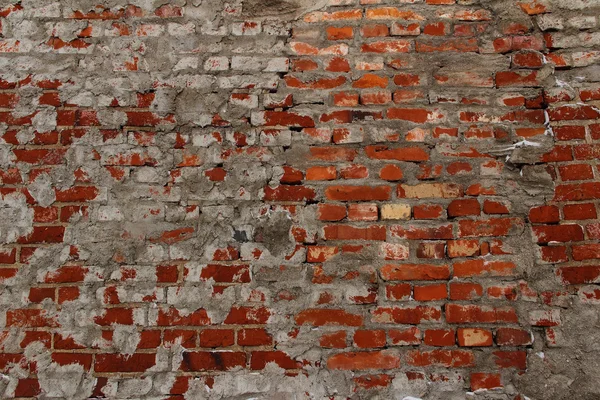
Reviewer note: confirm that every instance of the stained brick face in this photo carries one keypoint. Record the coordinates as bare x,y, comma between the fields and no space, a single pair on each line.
339,199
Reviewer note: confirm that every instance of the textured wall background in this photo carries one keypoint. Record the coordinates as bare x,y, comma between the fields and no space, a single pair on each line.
300,199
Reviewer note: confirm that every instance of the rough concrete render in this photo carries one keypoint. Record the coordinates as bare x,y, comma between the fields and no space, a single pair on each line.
300,199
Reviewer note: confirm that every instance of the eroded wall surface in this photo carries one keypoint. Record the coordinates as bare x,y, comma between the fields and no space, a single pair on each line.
333,199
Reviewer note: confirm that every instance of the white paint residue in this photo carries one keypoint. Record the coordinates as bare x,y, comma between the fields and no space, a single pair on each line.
549,131
520,144
563,84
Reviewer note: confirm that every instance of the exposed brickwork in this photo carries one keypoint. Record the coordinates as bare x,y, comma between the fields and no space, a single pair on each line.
335,199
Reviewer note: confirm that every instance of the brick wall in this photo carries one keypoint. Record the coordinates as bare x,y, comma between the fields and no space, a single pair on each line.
335,199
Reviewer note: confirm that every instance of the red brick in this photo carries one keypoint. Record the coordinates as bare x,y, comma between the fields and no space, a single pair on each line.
85,360
322,317
123,316
335,340
29,337
7,359
345,99
375,98
138,362
67,294
490,227
554,254
187,338
399,291
294,82
254,337
454,45
458,167
586,252
367,339
577,192
410,29
428,211
375,30
358,193
431,250
288,193
406,315
495,207
216,338
470,268
342,33
413,232
363,212
528,60
435,29
557,233
364,361
544,214
420,272
240,315
27,387
321,173
7,273
513,337
44,234
260,359
381,152
390,46
485,381
211,361
226,274
439,337
517,79
575,172
405,337
331,212
464,207
337,64
30,318
573,112
580,211
8,257
172,317
579,275
284,118
391,173
474,337
370,81
463,248
484,314
416,115
77,194
38,295
344,232
354,172
430,292
558,153
569,132
40,156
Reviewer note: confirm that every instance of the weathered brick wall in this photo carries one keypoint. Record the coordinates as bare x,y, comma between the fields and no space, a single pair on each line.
303,199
